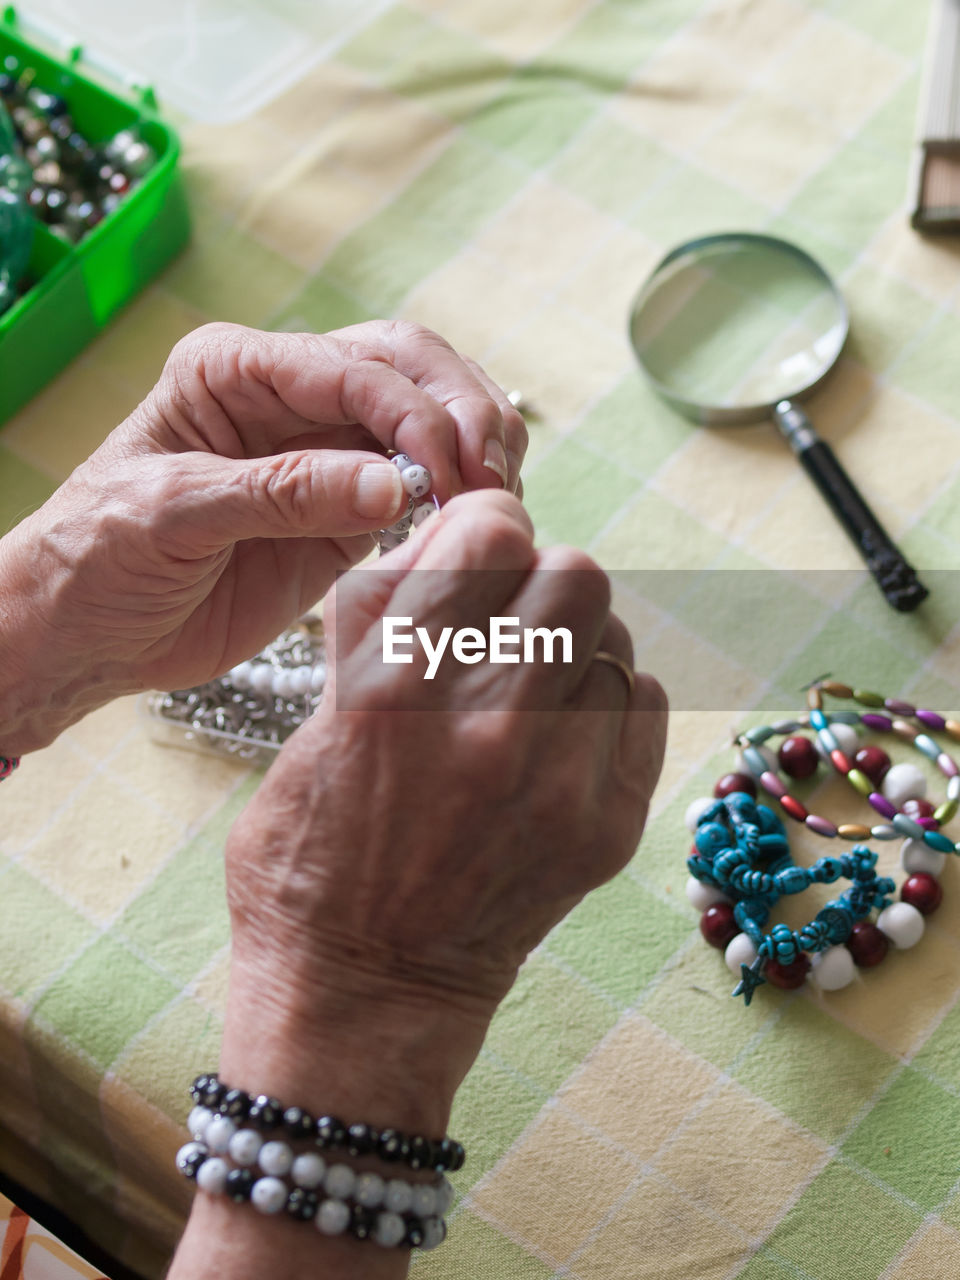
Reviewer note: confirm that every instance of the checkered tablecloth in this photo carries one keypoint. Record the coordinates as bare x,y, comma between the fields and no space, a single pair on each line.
507,173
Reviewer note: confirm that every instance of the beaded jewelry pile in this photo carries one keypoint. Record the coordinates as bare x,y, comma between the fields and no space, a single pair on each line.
254,1150
740,864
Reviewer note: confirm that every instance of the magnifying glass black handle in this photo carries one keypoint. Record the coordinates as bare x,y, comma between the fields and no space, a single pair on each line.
896,578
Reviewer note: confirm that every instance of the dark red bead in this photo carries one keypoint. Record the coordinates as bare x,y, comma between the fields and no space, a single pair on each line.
718,925
922,891
867,944
917,809
793,807
798,757
874,762
788,976
731,782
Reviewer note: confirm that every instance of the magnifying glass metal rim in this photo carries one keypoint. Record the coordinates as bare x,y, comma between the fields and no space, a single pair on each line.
734,415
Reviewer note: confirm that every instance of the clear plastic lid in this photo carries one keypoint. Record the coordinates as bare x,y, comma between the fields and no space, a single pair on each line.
213,60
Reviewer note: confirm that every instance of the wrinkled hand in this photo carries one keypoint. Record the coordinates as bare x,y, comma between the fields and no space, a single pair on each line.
228,502
416,839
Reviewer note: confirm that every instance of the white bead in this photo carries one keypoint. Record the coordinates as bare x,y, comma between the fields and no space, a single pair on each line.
402,525
239,676
903,782
770,758
275,1158
283,683
245,1146
332,1217
695,809
219,1132
390,1229
445,1195
703,895
369,1190
318,677
902,924
424,1200
833,968
916,855
198,1120
423,511
416,480
212,1175
434,1233
269,1195
399,1195
308,1170
953,788
188,1151
388,541
339,1181
261,678
300,681
401,461
847,740
740,950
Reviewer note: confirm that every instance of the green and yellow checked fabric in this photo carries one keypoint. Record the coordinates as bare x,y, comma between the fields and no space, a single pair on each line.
508,173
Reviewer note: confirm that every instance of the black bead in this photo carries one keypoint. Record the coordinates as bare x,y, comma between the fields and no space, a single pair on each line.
213,1094
414,1237
199,1086
448,1156
361,1140
393,1146
265,1113
330,1132
239,1184
421,1153
298,1123
362,1221
51,104
190,1164
235,1104
302,1204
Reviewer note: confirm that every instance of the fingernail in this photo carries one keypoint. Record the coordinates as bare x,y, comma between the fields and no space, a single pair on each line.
377,490
495,459
513,471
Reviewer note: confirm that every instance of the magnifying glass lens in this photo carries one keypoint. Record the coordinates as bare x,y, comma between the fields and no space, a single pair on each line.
737,323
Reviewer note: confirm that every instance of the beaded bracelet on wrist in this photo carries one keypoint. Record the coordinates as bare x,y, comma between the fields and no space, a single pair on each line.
327,1133
733,834
7,766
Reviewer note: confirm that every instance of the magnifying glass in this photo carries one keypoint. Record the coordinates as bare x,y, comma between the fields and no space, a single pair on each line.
738,327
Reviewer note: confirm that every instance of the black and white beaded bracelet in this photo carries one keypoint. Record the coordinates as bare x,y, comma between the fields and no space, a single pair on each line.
326,1132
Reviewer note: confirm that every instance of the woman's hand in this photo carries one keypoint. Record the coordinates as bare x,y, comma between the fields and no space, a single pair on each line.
417,838
226,504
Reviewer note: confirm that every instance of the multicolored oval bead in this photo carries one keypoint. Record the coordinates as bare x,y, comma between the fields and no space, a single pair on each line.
860,780
822,826
867,698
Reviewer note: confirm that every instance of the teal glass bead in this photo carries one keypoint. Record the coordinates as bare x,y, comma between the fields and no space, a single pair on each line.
845,717
923,742
818,719
754,761
759,735
937,840
907,827
827,740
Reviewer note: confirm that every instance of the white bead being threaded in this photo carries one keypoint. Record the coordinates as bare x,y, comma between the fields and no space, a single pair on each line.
701,896
903,782
424,1200
339,1181
416,480
212,1175
833,969
399,1195
369,1190
401,461
740,950
308,1170
275,1158
434,1233
916,855
423,511
694,811
390,1229
902,924
245,1147
219,1132
269,1195
198,1120
333,1217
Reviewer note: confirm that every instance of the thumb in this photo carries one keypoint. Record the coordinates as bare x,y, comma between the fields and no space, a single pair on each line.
305,493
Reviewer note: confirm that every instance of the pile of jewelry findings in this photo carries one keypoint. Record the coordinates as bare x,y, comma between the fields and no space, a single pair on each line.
740,864
76,183
249,712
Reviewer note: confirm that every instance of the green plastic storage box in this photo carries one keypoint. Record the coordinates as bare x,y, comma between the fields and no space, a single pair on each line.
76,289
